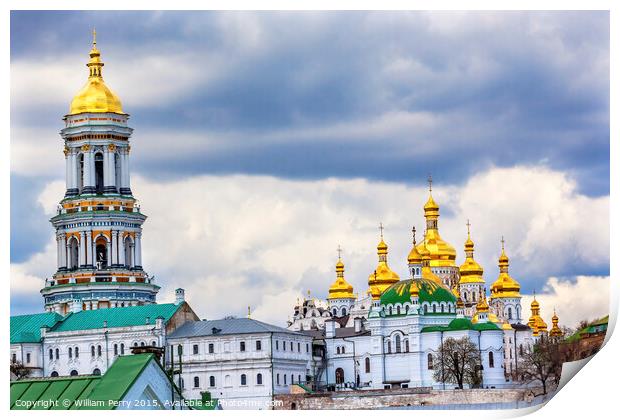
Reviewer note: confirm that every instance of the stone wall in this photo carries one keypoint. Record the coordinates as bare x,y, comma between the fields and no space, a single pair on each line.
398,398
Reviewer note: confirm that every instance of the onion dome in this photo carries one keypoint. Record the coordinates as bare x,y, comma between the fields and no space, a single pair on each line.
383,276
470,270
555,329
340,289
483,307
442,253
505,286
414,256
536,323
426,290
95,96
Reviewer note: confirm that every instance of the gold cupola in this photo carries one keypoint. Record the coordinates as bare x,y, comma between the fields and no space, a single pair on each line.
555,329
95,96
414,257
383,276
470,270
340,289
442,253
505,286
536,323
482,307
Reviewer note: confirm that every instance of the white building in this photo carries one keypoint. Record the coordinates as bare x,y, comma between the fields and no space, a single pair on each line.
242,362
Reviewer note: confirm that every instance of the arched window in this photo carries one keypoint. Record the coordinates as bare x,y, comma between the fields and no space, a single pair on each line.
491,361
212,348
57,354
335,312
73,373
51,354
70,353
343,311
154,343
465,295
337,350
74,253
99,173
284,376
339,376
196,382
367,365
92,351
390,310
278,379
429,359
211,381
99,351
259,379
389,345
397,340
54,374
244,380
122,348
398,310
128,247
142,343
406,346
77,352
115,349
102,252
97,372
509,313
434,307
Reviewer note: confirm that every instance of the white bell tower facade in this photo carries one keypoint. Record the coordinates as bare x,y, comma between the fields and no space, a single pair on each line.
98,223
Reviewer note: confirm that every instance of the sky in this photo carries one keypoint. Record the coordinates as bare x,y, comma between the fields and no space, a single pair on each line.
264,140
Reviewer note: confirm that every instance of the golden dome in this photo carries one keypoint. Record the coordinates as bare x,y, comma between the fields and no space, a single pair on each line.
482,305
505,286
340,289
555,329
442,253
470,270
536,323
383,276
506,326
95,96
414,256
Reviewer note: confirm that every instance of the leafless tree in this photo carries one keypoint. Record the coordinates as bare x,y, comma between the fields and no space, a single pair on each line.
19,370
541,365
457,361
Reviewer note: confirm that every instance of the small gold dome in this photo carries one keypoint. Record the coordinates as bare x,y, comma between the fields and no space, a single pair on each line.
470,270
340,289
414,256
442,253
505,286
383,276
536,323
95,96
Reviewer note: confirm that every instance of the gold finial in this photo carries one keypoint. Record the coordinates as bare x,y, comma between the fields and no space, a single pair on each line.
413,232
94,37
502,242
430,183
468,226
249,312
381,229
339,249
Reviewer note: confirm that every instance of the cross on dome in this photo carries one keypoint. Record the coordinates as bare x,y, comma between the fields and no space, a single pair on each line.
381,229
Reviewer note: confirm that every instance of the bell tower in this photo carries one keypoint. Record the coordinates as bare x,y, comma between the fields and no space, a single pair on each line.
98,222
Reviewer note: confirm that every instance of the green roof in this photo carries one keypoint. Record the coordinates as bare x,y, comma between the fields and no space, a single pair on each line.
462,324
73,392
596,326
116,317
27,328
428,291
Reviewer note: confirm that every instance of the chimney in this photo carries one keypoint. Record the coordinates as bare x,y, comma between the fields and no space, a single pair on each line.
179,296
159,322
357,323
44,329
330,328
76,306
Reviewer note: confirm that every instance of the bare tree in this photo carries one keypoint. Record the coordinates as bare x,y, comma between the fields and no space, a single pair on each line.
458,361
19,370
541,364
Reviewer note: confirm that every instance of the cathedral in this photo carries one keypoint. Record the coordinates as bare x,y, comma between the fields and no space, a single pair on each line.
390,337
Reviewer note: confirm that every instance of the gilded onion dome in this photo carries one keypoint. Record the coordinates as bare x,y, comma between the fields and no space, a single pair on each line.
483,307
442,253
414,256
383,276
555,329
340,289
470,270
95,96
505,286
536,323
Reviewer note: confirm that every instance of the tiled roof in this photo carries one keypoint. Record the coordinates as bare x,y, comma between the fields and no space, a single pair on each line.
63,392
27,328
116,317
226,326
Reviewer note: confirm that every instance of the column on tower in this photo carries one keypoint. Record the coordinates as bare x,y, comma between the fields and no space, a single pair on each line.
109,251
63,251
82,249
89,247
109,174
138,251
70,162
89,170
121,250
114,246
58,252
124,156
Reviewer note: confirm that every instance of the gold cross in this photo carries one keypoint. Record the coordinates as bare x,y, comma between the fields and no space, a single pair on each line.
339,251
413,231
468,225
381,229
502,242
430,183
94,37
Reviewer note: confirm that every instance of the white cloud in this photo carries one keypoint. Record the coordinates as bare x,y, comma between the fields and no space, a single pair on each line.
234,241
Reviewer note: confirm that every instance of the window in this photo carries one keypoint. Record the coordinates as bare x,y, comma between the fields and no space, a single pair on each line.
284,379
92,351
292,379
195,348
298,347
243,379
259,379
57,354
73,373
278,379
180,350
115,349
196,382
389,349
154,343
291,346
397,343
77,352
491,361
242,346
211,348
406,346
99,351
307,348
509,313
277,345
54,374
70,353
122,348
51,354
99,173
97,372
337,350
27,357
430,361
211,380
259,345
13,358
298,379
367,365
434,307
142,343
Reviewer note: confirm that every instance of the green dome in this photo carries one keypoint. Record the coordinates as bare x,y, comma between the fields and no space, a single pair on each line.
428,291
461,324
